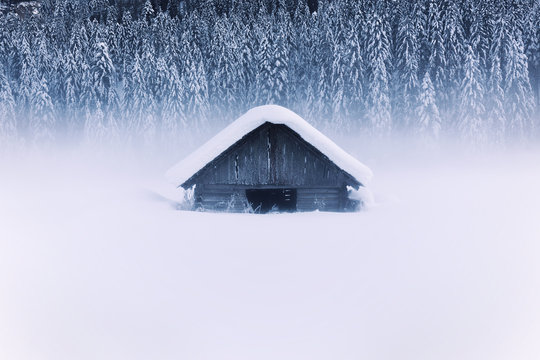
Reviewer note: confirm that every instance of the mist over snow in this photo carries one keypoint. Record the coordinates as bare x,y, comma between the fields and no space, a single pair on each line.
95,262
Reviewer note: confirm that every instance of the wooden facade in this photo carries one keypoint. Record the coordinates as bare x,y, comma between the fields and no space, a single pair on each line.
272,168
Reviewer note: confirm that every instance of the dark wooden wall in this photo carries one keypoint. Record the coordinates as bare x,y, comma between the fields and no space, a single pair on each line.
233,198
273,155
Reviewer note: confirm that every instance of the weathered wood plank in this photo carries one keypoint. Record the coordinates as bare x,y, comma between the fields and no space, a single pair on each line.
272,155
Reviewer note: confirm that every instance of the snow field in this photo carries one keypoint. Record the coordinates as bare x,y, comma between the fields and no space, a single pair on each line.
95,265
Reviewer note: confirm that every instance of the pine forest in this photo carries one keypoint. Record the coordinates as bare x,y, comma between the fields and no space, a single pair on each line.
98,71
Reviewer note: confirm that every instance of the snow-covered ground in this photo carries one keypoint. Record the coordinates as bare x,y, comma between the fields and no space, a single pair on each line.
95,264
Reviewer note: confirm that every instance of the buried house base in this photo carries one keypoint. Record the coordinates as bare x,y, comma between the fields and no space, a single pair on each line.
264,199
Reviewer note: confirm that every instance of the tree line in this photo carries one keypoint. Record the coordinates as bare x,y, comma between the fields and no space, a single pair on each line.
95,70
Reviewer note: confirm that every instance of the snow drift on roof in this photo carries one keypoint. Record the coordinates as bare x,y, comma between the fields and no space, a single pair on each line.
251,120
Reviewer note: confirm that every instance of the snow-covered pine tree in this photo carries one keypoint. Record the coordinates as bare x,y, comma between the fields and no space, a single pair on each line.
477,14
96,8
428,120
8,55
126,42
43,58
495,116
148,11
199,33
207,10
42,120
194,83
519,101
436,62
248,64
354,86
28,74
8,128
263,56
356,80
300,69
339,99
57,88
454,39
419,20
138,102
163,32
224,71
322,64
272,58
94,125
377,55
471,104
407,57
60,23
79,75
339,70
173,115
72,85
102,75
112,41
161,87
281,33
149,64
532,50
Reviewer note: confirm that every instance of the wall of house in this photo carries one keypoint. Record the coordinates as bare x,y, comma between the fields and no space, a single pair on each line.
223,197
272,155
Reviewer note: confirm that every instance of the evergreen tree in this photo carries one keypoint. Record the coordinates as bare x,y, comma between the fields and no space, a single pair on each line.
27,78
7,109
72,88
407,68
102,86
281,49
264,65
338,96
377,54
300,68
472,99
323,56
194,83
173,108
354,77
454,39
429,121
139,103
42,120
7,48
224,70
339,70
495,116
94,125
248,67
436,62
148,11
532,50
519,101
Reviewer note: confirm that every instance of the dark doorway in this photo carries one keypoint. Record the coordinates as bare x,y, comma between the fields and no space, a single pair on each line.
265,200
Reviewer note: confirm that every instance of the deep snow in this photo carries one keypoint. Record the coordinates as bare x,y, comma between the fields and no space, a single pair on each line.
96,264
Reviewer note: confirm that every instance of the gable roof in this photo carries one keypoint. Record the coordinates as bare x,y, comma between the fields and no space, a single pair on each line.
275,114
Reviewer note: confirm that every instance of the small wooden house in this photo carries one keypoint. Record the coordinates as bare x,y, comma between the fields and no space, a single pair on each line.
270,159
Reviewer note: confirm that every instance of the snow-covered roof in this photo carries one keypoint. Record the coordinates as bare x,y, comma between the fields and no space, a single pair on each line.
251,120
